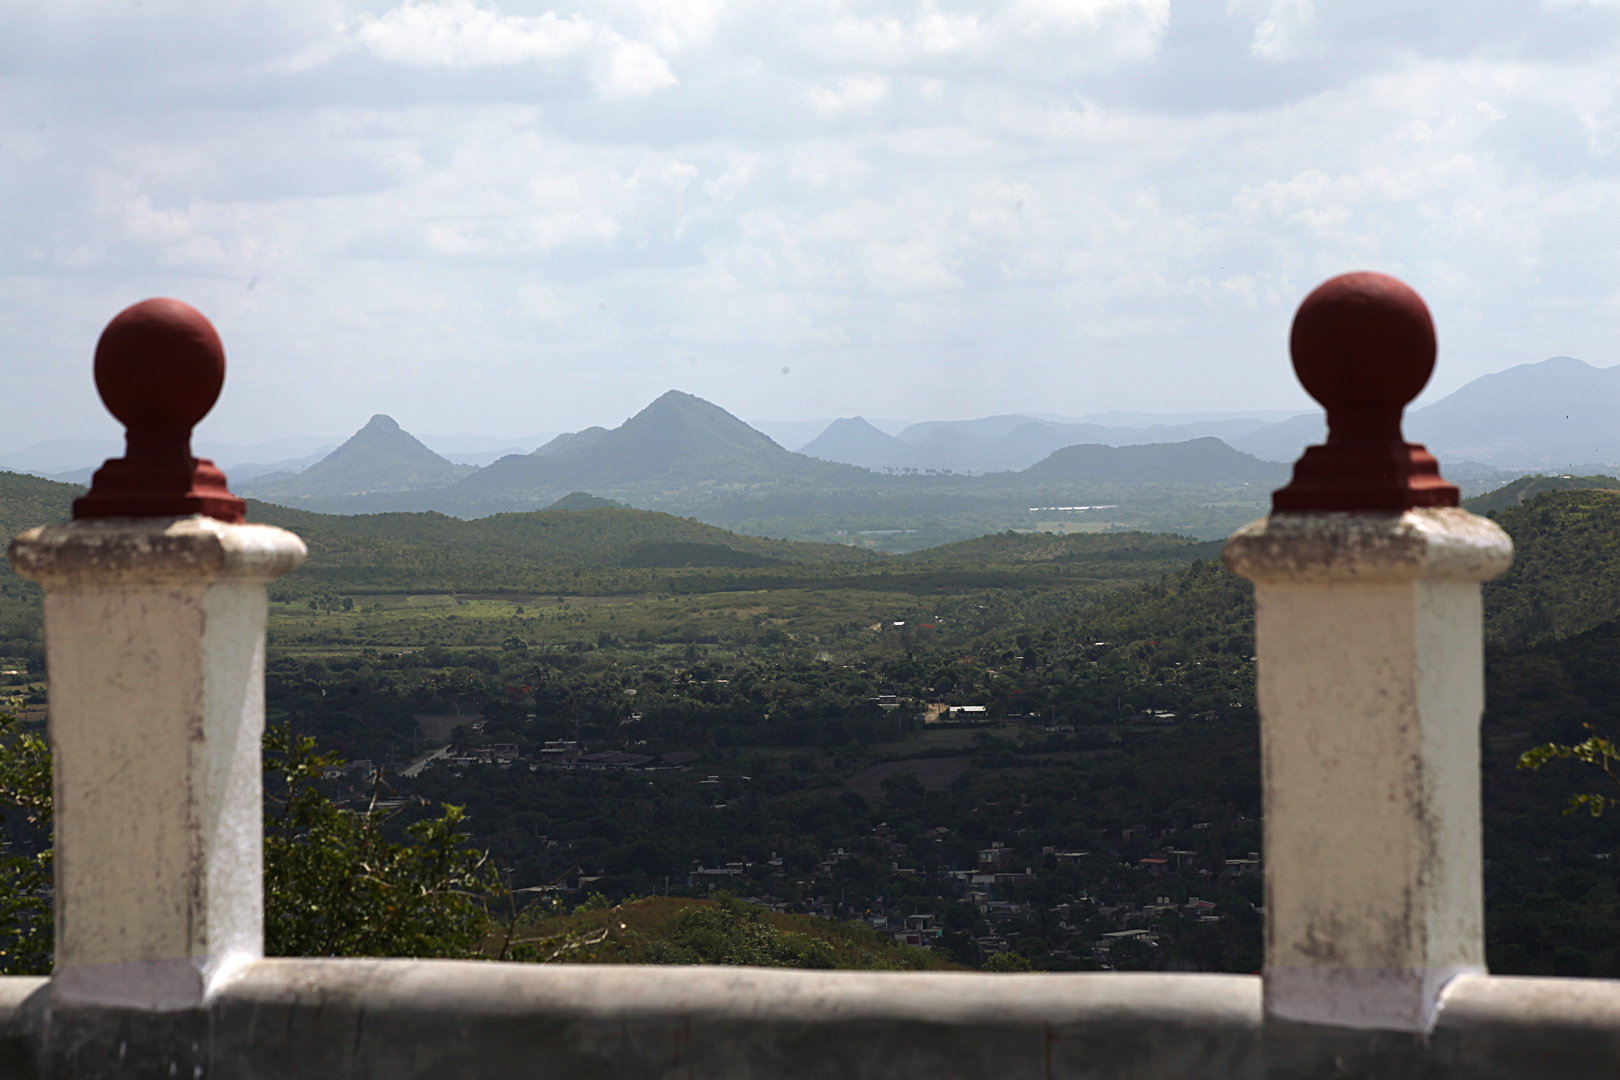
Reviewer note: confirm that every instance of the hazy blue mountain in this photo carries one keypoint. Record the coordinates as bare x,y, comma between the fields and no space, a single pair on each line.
678,444
1555,414
572,442
985,429
1196,461
853,441
1010,443
379,458
54,456
248,470
796,434
1560,414
1284,441
1031,442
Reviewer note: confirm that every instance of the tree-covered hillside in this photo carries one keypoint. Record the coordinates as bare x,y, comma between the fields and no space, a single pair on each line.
1565,577
1528,487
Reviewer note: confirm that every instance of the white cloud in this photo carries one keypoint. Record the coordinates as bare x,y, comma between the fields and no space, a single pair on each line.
1026,38
460,34
858,93
512,218
1280,32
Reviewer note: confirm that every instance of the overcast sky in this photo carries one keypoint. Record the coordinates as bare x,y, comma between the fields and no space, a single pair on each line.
507,217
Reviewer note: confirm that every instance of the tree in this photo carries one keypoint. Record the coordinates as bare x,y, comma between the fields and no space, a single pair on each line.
27,919
334,884
1006,961
1596,751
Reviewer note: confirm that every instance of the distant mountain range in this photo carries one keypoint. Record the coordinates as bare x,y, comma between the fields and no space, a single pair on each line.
995,443
685,454
1560,413
681,453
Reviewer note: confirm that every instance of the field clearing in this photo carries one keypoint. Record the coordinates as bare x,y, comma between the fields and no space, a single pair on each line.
826,616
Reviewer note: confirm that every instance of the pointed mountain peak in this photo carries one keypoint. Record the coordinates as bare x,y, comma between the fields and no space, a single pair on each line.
679,402
853,441
382,456
680,415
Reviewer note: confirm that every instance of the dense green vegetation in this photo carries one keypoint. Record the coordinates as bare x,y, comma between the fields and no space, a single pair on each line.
1565,577
1114,671
688,930
26,501
27,916
1528,487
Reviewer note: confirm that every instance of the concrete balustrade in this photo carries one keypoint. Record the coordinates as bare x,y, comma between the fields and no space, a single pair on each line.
1370,684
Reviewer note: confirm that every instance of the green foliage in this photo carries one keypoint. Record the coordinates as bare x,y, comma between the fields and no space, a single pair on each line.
335,885
26,501
1006,961
421,552
1526,488
584,500
1564,925
1596,751
27,920
1565,577
734,933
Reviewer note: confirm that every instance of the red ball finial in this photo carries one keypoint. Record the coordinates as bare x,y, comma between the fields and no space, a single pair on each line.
159,368
1363,345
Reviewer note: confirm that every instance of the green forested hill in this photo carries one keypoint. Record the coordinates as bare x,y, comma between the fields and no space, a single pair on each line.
1206,460
1566,568
26,501
1528,487
594,537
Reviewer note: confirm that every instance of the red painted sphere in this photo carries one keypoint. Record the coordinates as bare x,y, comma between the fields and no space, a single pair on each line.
159,364
1363,341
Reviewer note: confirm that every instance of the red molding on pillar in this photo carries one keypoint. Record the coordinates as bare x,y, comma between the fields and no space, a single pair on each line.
1363,345
159,369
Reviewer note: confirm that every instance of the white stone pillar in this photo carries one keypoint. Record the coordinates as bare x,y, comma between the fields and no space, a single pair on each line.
155,636
1370,682
154,628
1370,685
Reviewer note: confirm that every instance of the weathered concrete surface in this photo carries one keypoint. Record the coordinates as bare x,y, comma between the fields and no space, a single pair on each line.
22,1025
155,635
1370,685
1510,1028
340,1019
382,1018
377,1019
1434,545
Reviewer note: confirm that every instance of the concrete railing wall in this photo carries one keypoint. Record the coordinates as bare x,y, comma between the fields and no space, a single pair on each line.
1368,626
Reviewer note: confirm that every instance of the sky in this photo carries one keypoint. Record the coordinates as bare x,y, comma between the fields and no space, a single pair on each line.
506,217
